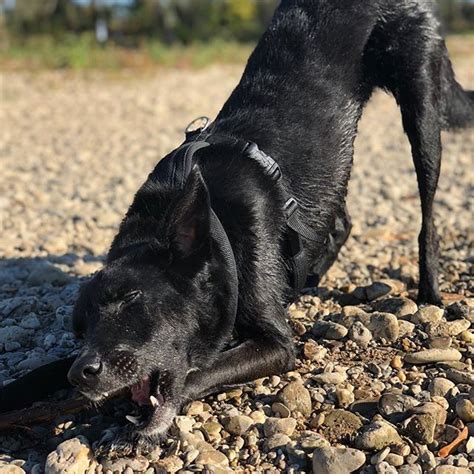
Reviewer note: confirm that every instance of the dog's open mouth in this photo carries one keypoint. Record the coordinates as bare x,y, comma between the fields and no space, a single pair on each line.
142,393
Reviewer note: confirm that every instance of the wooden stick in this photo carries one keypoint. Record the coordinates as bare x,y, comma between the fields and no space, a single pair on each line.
42,413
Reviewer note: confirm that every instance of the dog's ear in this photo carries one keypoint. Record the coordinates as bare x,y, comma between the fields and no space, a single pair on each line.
189,219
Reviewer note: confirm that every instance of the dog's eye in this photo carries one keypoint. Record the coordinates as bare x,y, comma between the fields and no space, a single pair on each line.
132,296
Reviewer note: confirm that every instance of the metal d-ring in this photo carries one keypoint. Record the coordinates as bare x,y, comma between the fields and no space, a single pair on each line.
198,125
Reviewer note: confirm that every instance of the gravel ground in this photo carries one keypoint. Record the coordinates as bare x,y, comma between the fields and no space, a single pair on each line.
380,385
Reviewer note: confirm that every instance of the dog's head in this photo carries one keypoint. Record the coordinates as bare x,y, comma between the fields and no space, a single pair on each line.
156,311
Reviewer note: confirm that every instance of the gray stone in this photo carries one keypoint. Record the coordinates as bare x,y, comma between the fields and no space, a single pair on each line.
279,425
45,272
427,314
377,436
329,330
465,410
278,440
421,428
329,460
238,425
30,321
395,406
429,356
360,334
439,387
295,396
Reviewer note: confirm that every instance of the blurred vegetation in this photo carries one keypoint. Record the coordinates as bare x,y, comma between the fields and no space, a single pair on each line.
82,34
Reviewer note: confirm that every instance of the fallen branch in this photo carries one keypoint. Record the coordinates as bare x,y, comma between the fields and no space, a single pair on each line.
42,413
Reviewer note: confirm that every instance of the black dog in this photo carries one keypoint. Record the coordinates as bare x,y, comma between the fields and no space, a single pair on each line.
191,299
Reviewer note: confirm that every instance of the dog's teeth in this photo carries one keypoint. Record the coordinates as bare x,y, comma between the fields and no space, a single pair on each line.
154,401
132,419
106,394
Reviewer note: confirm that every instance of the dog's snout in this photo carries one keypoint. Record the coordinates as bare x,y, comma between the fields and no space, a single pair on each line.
84,370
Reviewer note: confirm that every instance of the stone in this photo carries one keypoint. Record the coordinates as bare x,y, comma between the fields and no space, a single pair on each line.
459,376
184,423
333,378
439,387
11,469
395,406
421,428
465,410
279,425
447,328
377,436
332,460
30,321
340,423
278,440
406,328
313,351
395,460
429,356
344,397
195,408
309,440
399,306
446,469
212,458
431,408
281,410
238,425
72,456
14,334
295,396
137,464
207,453
360,334
329,330
385,468
384,326
45,272
440,342
427,314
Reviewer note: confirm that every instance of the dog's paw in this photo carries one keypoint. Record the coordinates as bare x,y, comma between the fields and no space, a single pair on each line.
127,443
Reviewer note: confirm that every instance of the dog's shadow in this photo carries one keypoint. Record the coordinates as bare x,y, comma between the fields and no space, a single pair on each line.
36,299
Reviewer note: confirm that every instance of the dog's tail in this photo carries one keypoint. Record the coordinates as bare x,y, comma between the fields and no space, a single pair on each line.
458,104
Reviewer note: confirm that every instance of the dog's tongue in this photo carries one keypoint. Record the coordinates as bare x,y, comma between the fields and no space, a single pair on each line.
141,392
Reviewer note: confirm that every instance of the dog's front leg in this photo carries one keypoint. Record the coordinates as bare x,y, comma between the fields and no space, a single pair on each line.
248,361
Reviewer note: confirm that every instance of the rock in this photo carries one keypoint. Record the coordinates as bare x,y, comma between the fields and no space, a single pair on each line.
377,289
295,396
439,387
398,306
344,397
279,425
212,458
329,330
14,334
238,425
184,423
467,336
137,463
170,464
333,378
384,326
405,328
436,410
459,376
278,440
70,457
385,468
339,424
313,351
280,409
30,321
447,328
465,410
429,356
45,272
427,314
421,428
410,469
395,406
360,334
11,469
394,460
377,436
309,440
329,460
440,342
446,469
195,408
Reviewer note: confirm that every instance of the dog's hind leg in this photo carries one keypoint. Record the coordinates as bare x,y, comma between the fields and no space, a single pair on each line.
418,93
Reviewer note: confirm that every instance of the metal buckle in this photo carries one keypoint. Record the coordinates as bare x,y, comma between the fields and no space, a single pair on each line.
198,125
290,207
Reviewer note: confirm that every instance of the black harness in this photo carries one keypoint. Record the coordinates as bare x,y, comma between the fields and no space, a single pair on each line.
175,168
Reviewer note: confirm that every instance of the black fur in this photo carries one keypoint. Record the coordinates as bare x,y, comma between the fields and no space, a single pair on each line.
157,307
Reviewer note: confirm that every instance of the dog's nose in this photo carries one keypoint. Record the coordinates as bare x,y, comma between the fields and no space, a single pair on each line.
84,370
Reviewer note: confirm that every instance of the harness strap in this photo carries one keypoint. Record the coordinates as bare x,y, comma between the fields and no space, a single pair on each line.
297,229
